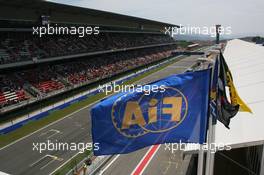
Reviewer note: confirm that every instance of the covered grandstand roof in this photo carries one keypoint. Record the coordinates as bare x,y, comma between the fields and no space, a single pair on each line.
31,10
246,62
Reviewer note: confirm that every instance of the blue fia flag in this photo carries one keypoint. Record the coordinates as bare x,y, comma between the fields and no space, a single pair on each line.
175,110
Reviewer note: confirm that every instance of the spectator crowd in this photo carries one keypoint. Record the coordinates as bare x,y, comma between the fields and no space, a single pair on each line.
40,80
23,46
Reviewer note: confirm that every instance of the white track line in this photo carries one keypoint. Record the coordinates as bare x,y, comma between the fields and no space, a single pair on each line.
108,165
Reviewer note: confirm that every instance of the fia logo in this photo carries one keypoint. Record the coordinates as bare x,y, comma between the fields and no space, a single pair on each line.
134,115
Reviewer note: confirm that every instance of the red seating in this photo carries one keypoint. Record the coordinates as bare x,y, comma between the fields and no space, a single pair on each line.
49,86
76,79
2,98
12,97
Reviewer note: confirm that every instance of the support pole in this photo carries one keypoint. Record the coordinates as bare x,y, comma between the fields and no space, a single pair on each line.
200,160
212,158
209,138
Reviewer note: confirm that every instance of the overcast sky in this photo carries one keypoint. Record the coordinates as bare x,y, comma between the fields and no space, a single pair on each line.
244,16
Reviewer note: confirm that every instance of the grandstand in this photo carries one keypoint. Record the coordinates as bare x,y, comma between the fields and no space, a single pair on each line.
34,68
19,47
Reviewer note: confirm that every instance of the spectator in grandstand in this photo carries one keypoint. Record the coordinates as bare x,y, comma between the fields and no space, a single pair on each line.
23,46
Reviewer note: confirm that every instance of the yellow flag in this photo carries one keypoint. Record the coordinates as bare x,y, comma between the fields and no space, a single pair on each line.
235,99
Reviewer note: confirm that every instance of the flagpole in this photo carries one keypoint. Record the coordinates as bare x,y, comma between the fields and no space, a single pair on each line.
209,138
210,135
212,158
200,160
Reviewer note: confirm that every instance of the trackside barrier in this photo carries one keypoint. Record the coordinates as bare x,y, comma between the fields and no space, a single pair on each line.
90,93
